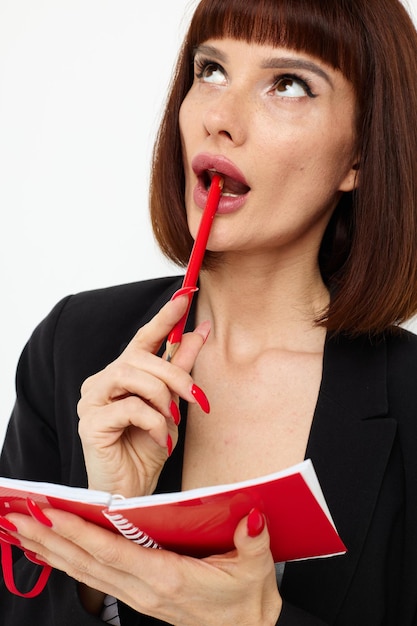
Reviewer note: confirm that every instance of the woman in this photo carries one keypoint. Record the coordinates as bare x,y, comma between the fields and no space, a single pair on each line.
308,110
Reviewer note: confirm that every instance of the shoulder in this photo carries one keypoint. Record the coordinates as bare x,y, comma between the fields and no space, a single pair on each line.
134,298
115,305
401,349
397,348
95,325
116,308
401,371
382,367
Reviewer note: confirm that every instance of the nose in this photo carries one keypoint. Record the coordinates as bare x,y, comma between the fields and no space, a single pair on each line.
225,118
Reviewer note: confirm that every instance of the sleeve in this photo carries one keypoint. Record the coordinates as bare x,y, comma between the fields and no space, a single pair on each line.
31,451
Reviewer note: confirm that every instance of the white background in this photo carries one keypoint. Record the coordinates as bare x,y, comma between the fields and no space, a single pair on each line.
82,84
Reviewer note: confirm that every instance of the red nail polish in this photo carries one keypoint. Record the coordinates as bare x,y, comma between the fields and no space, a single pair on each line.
37,513
7,525
169,445
9,539
255,523
175,412
31,556
184,291
201,398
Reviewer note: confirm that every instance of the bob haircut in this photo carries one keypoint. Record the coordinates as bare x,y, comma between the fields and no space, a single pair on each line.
368,256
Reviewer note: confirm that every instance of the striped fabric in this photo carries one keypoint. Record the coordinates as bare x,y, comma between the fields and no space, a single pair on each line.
110,612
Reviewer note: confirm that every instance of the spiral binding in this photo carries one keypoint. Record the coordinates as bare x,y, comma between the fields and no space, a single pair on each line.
130,531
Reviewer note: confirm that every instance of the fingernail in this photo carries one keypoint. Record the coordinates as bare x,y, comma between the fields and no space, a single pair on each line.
175,412
9,539
184,291
203,330
201,398
6,524
37,513
255,523
31,556
169,445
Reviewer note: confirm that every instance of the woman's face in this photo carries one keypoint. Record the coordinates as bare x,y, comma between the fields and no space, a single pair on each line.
279,126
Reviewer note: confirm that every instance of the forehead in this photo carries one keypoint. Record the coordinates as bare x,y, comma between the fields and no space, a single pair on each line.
317,27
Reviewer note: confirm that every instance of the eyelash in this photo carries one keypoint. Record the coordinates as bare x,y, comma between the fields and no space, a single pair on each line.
298,79
201,64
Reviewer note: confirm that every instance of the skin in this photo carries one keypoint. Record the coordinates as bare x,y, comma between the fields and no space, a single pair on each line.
297,153
279,138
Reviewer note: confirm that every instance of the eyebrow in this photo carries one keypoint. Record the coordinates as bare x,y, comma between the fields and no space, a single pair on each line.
282,63
289,63
210,51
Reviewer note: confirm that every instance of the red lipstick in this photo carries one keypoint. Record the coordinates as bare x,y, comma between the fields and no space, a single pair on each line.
235,187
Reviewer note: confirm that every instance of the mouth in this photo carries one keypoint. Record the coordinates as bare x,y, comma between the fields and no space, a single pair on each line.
232,188
205,166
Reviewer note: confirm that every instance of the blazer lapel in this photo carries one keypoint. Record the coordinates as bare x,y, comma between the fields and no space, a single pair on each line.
350,443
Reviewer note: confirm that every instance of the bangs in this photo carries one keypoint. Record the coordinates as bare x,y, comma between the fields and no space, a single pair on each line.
326,29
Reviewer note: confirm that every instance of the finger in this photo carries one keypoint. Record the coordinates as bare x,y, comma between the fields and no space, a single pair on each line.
61,553
150,336
77,546
122,379
252,541
190,346
104,426
255,563
105,561
150,377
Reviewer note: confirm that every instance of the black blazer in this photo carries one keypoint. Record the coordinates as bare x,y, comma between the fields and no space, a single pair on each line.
363,444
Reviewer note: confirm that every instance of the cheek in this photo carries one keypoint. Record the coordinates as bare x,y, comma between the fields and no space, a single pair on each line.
337,158
341,140
182,117
190,132
186,149
188,118
182,123
324,157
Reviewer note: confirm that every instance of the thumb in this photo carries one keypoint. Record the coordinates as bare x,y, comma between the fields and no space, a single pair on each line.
251,536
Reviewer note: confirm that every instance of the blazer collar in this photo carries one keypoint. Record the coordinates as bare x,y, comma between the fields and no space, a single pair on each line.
350,443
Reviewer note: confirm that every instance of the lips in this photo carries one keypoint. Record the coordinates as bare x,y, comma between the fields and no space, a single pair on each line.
231,186
235,186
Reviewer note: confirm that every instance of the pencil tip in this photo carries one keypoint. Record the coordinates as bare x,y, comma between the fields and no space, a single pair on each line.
170,350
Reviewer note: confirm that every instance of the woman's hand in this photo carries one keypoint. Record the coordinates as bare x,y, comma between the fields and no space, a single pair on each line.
129,412
235,588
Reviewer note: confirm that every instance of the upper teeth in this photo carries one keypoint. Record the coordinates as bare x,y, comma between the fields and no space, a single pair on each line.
229,184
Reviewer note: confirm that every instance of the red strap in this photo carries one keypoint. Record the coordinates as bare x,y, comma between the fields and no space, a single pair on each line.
7,565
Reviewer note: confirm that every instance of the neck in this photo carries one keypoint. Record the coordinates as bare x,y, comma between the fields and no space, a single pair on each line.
258,304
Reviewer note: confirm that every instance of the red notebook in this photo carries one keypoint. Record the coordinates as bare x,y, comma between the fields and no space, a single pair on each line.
201,522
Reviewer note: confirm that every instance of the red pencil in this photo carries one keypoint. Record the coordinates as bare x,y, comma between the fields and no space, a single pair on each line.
196,259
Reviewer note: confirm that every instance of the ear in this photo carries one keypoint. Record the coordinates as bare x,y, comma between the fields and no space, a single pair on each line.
351,180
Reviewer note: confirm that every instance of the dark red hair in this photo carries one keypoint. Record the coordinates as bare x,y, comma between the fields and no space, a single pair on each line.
368,256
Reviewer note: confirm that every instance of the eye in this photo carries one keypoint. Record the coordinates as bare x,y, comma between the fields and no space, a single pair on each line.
289,86
209,72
